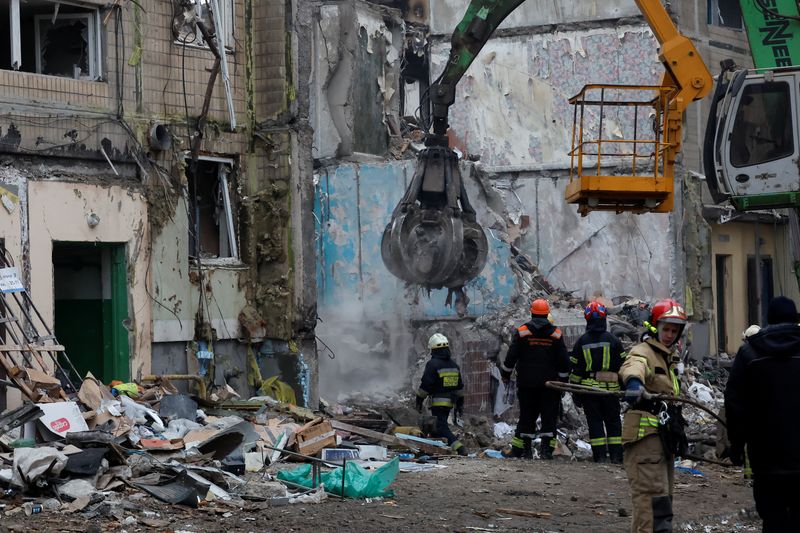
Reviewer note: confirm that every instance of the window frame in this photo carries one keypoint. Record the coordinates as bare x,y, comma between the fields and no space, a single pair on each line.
93,18
225,169
95,38
714,18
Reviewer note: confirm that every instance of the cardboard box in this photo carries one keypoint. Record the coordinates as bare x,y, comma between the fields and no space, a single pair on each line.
311,440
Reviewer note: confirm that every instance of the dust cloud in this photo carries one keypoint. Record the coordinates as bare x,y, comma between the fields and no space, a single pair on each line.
373,351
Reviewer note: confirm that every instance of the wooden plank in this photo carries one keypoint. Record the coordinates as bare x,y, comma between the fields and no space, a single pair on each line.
15,374
31,348
309,424
383,437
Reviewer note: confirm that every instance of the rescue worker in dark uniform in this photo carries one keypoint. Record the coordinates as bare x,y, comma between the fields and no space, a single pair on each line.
653,432
596,359
762,400
538,354
442,382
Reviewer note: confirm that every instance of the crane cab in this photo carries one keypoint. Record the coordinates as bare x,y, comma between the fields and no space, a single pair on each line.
752,151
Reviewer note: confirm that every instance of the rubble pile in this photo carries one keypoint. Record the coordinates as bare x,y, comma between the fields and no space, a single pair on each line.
99,450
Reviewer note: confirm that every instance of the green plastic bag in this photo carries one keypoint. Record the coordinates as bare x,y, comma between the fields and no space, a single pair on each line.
358,482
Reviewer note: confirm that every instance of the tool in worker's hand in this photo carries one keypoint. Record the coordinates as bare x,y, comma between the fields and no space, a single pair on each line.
592,391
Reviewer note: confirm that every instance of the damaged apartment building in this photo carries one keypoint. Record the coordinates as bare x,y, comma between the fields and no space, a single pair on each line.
151,189
370,65
200,187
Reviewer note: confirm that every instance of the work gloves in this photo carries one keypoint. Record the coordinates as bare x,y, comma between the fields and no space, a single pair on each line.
460,406
633,391
420,402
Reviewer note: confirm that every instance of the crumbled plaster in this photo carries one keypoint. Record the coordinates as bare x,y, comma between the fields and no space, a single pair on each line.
335,109
512,106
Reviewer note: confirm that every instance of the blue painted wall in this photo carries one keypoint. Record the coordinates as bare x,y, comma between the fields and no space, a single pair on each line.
353,203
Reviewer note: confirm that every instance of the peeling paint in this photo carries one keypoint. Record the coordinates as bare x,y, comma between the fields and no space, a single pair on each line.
512,107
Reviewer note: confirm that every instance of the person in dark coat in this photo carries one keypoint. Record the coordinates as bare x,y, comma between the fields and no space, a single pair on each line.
762,402
538,354
442,382
596,359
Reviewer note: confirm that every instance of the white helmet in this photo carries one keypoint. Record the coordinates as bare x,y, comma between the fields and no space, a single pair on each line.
437,340
749,332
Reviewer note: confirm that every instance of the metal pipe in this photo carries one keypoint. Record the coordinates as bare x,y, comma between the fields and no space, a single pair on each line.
344,470
233,247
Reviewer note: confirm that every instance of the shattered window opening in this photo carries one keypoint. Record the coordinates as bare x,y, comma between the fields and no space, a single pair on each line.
212,231
188,32
51,38
64,48
725,13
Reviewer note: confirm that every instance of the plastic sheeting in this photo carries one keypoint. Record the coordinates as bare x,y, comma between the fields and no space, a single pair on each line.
358,483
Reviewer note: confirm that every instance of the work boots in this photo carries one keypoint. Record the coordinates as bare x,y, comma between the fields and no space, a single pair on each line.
547,448
527,448
459,448
517,449
615,453
599,454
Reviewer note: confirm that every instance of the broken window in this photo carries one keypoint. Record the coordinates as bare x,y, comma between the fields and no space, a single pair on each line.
203,10
725,13
212,232
50,38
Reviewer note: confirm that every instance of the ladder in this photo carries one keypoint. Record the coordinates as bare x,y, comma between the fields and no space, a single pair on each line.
29,351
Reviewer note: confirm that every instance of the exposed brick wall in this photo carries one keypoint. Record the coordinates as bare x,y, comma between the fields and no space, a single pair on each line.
477,379
269,51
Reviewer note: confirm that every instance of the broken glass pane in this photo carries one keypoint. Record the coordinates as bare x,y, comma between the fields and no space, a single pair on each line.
65,47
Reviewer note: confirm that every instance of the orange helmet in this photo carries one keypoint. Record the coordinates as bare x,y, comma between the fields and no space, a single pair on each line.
669,311
594,310
540,307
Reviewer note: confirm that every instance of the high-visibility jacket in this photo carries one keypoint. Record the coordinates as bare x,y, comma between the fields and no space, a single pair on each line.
538,353
653,364
596,358
441,380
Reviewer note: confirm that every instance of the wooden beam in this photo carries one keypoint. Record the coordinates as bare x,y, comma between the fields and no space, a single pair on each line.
389,439
31,348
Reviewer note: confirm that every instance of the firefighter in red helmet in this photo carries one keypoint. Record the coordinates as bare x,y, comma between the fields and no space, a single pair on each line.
596,359
653,432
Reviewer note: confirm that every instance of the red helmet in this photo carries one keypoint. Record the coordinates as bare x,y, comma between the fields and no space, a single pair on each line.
540,307
669,311
594,310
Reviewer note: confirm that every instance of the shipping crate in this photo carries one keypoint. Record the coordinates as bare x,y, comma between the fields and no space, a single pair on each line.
309,441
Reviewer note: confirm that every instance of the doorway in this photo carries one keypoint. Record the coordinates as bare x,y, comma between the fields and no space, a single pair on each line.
760,289
91,307
723,299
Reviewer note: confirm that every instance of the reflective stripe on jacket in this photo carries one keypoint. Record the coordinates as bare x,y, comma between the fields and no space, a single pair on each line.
653,364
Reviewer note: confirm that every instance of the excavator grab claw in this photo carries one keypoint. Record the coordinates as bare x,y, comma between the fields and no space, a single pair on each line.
433,239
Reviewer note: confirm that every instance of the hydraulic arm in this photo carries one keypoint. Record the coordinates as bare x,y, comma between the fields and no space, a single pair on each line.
433,239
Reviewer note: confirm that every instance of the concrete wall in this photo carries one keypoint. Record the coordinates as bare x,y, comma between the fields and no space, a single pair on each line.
512,106
738,240
177,287
356,70
56,211
151,78
354,204
620,255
